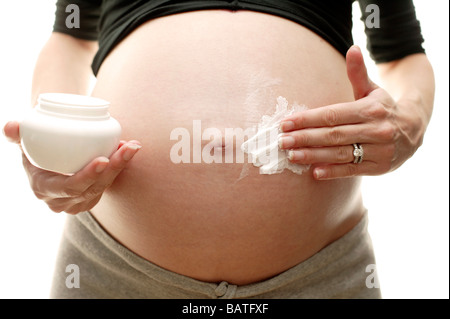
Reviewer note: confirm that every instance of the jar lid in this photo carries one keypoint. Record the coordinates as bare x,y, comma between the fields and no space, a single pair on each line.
72,99
73,106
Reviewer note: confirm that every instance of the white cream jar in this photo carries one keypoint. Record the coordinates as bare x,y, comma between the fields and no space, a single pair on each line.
64,132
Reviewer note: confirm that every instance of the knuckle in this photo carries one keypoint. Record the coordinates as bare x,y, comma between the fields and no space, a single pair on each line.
56,205
36,186
301,139
420,141
335,136
55,208
93,192
33,182
331,117
342,154
39,195
299,121
71,192
376,110
385,167
72,210
386,132
352,170
390,150
308,156
117,167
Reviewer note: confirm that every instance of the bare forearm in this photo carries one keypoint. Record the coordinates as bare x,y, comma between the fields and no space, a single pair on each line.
63,66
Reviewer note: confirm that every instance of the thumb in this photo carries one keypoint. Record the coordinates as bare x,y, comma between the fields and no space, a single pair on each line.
357,73
11,131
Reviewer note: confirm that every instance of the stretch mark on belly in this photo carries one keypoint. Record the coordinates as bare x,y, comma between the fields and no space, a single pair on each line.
262,147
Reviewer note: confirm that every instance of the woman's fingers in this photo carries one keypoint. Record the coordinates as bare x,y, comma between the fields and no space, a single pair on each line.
117,163
375,107
347,170
45,184
76,184
71,205
375,125
337,162
121,143
327,116
100,173
337,136
339,154
82,206
84,189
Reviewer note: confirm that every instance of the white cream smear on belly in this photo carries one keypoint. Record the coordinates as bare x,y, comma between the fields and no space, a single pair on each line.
262,147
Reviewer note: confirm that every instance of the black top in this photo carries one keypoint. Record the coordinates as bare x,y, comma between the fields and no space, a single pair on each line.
110,21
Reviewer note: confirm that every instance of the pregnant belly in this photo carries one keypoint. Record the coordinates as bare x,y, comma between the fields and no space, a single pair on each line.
219,221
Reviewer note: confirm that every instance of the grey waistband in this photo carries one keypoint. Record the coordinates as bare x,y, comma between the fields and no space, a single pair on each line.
110,270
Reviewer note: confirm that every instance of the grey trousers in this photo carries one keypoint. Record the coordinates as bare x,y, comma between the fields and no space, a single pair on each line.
91,264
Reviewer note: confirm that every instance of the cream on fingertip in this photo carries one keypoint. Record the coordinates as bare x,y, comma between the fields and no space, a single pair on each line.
130,151
287,126
319,173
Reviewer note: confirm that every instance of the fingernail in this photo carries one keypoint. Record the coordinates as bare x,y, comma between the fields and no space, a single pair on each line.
131,150
296,155
286,142
102,164
319,173
287,126
290,155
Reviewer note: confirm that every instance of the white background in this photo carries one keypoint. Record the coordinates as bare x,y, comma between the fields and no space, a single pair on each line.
408,208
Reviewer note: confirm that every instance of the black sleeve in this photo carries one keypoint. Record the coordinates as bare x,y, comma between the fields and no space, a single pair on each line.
89,15
399,33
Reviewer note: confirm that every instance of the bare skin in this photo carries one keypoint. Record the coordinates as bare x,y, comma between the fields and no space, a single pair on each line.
201,220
